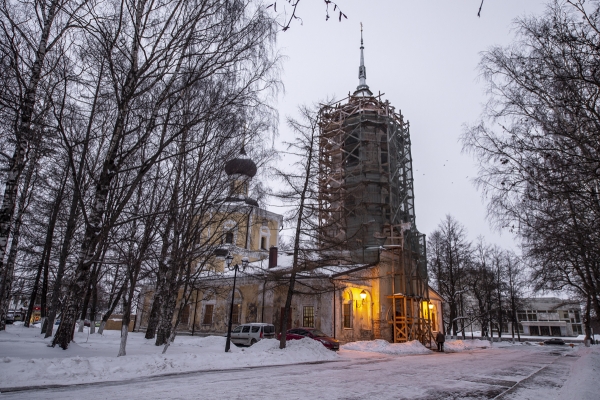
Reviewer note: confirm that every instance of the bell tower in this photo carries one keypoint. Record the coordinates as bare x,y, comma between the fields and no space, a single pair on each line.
368,202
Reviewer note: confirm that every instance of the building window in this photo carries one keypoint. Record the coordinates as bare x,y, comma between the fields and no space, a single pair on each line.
577,330
520,327
384,150
185,315
544,331
235,315
532,315
534,330
352,148
208,314
308,317
229,237
265,236
347,310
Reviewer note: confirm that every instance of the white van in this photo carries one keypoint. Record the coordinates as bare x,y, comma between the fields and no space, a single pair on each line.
248,334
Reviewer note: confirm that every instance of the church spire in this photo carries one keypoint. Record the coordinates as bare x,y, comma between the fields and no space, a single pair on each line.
362,88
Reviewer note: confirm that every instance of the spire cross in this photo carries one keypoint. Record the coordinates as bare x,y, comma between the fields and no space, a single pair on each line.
362,70
361,37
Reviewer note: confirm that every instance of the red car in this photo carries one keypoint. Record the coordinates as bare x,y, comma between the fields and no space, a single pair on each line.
313,333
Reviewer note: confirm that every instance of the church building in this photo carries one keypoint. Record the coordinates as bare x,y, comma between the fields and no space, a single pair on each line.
367,201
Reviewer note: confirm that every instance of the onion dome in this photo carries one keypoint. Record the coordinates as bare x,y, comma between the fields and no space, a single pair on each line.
241,166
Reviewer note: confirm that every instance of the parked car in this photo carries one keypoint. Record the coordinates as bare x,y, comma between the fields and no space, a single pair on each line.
313,333
248,334
10,317
18,316
554,341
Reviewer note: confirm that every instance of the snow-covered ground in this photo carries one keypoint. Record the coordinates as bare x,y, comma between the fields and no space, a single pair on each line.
26,359
372,369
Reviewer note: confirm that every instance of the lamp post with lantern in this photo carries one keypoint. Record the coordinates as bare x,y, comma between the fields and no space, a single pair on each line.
234,268
470,315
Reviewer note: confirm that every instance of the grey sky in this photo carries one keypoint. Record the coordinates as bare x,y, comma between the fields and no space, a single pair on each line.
423,55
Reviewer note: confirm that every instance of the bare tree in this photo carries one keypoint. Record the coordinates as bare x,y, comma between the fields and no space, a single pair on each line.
180,50
538,144
26,42
449,253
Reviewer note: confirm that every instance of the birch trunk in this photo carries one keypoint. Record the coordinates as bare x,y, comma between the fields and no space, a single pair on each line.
8,276
45,260
93,229
18,160
93,311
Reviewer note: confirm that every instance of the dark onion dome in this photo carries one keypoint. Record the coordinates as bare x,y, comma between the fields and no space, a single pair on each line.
242,166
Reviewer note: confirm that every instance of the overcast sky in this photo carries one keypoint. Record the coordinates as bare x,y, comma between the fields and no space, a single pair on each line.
423,55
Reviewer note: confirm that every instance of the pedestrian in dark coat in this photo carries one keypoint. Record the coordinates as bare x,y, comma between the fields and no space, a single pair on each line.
440,338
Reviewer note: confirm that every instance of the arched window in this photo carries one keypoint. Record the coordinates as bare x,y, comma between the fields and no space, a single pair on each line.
229,232
236,316
347,309
208,308
265,238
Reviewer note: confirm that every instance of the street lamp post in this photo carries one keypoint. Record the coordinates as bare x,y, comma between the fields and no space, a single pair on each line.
229,260
470,314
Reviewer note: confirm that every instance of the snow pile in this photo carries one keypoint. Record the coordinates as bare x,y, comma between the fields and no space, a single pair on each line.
385,347
26,359
303,349
454,346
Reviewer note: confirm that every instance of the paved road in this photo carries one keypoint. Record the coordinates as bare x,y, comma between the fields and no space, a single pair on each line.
506,373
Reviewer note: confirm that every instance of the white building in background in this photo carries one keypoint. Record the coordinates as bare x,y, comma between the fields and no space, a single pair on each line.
550,316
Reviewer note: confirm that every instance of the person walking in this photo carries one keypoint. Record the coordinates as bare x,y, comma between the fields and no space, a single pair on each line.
440,338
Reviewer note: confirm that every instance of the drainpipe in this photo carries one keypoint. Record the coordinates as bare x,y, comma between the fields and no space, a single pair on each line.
334,313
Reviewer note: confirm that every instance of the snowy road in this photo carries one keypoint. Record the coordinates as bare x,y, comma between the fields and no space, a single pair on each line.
508,373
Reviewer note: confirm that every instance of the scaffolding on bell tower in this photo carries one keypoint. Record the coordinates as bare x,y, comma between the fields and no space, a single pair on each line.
366,200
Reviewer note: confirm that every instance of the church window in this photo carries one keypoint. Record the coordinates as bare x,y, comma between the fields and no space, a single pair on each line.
352,147
235,315
347,314
208,314
265,237
308,317
185,315
229,237
384,150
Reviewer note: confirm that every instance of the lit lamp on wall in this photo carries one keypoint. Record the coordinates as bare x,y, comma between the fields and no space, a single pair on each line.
363,296
229,261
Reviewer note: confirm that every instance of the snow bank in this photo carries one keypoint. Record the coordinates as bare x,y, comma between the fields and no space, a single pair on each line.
302,350
385,347
454,346
26,359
